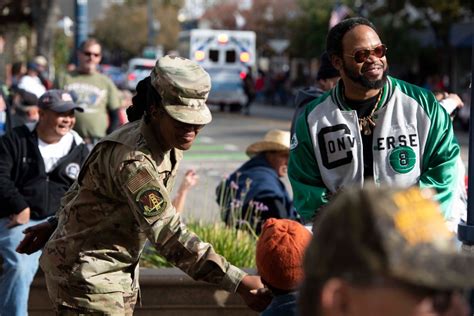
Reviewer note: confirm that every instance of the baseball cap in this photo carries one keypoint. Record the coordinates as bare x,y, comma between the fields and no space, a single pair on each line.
59,101
183,86
392,232
279,253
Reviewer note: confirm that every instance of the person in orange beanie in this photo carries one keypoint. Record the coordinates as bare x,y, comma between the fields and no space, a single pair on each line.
279,257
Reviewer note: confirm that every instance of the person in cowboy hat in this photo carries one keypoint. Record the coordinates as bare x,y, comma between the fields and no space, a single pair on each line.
254,192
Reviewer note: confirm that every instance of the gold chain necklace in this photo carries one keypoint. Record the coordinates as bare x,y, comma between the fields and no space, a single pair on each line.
366,124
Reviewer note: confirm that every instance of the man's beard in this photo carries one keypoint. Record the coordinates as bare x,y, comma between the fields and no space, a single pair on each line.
363,81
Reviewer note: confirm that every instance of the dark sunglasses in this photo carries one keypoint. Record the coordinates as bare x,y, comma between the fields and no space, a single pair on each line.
362,55
89,54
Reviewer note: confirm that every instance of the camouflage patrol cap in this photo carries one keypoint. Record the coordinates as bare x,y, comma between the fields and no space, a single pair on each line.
183,86
398,233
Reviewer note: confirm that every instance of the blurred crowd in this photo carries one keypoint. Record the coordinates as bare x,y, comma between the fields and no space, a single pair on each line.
23,83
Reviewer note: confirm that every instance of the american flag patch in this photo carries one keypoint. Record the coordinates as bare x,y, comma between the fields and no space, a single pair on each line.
139,180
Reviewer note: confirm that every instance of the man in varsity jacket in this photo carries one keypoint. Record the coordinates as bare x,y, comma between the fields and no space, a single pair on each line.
371,127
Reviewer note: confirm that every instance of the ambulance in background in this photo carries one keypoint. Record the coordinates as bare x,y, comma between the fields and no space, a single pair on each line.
226,56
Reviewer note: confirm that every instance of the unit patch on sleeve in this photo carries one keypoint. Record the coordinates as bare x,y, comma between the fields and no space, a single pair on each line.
151,202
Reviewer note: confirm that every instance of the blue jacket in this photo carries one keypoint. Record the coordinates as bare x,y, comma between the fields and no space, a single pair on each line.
256,181
282,305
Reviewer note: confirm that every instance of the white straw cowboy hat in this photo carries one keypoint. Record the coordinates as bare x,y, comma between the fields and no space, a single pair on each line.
274,140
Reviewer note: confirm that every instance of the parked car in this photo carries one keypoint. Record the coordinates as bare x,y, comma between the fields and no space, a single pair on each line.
138,69
116,74
227,88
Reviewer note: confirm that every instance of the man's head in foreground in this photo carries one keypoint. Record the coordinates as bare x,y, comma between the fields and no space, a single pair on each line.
384,251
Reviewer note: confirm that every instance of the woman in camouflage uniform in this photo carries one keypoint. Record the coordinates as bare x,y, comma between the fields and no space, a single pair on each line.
121,199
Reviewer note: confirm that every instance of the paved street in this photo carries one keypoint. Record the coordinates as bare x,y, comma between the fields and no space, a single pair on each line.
220,148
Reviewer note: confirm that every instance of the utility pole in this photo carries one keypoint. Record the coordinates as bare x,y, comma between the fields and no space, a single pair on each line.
466,230
151,25
81,27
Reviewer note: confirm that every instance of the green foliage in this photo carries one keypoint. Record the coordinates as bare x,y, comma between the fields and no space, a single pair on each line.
237,246
61,50
231,200
235,239
124,27
391,17
309,30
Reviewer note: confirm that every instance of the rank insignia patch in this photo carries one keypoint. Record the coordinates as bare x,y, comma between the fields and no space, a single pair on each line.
151,202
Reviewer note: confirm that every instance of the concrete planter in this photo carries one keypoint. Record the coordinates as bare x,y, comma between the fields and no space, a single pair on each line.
166,291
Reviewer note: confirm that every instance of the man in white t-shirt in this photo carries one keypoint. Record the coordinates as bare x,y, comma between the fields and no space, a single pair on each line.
31,81
38,163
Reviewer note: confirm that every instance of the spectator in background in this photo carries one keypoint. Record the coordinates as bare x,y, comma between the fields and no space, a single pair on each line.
42,66
31,81
3,63
326,79
384,251
38,163
254,192
190,180
18,70
95,92
434,82
451,102
4,109
279,257
249,89
24,108
280,82
126,101
260,86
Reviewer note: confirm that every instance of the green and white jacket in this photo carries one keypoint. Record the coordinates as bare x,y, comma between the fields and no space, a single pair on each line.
413,143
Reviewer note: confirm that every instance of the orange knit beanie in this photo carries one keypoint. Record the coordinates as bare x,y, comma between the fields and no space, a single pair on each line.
280,251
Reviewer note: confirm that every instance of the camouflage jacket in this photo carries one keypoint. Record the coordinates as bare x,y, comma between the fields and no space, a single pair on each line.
120,200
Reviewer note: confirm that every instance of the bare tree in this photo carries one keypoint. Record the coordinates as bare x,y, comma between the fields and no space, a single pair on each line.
44,14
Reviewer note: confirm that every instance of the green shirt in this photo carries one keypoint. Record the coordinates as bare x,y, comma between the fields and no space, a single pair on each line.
97,95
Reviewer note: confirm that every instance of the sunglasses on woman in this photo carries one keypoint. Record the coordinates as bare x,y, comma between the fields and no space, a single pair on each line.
361,55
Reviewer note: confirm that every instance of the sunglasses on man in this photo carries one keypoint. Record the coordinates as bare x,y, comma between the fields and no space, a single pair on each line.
361,55
89,54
